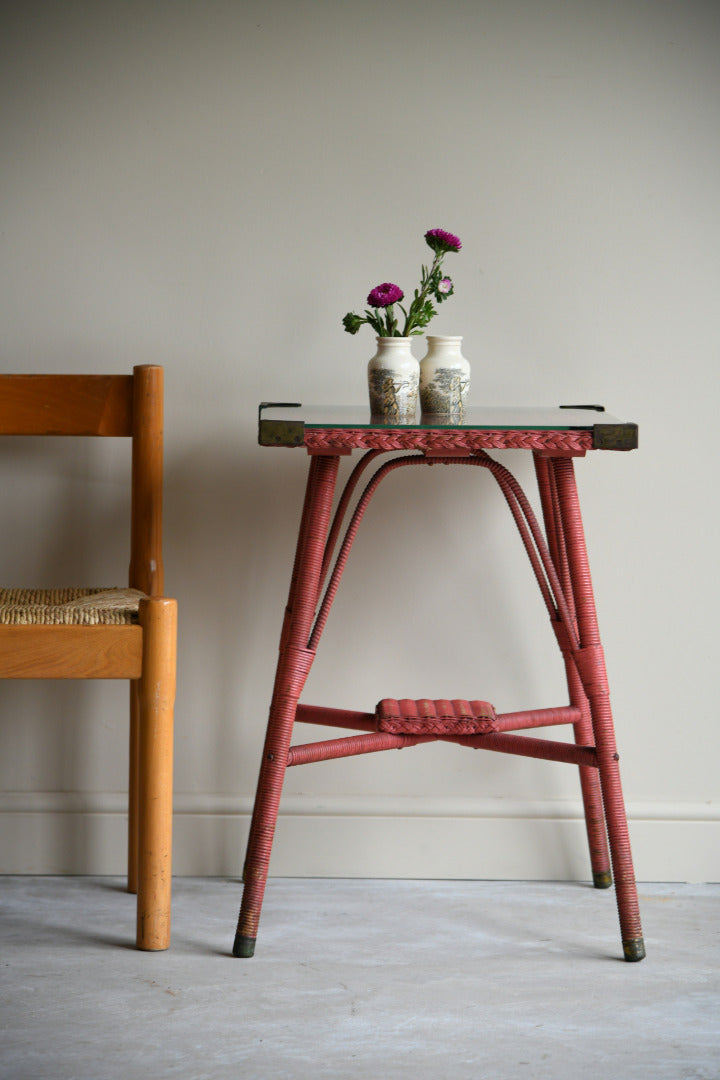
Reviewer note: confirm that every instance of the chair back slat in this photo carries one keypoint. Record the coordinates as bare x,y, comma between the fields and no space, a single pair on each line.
112,405
66,405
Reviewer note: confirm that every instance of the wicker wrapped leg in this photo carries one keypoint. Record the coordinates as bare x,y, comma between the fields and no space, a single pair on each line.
590,664
292,670
589,778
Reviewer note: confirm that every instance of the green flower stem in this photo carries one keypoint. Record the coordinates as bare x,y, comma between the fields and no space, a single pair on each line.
420,311
416,307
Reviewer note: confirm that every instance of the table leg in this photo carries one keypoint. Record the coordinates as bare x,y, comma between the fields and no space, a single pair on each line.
294,664
589,778
590,664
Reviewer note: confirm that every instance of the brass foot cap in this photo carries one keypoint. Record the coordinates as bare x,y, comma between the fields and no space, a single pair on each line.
634,949
603,880
244,946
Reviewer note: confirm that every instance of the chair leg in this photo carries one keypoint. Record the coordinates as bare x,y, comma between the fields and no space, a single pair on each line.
132,873
156,693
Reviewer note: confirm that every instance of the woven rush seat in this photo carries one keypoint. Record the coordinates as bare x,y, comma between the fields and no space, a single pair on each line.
441,717
69,607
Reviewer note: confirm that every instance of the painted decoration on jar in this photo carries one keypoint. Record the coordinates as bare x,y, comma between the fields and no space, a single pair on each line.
444,379
393,381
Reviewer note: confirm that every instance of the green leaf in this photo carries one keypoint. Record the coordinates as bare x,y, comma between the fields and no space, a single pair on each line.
352,322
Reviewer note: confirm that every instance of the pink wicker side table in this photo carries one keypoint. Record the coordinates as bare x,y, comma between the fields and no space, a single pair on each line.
559,561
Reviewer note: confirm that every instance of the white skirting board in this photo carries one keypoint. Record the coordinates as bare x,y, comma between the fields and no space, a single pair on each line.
359,836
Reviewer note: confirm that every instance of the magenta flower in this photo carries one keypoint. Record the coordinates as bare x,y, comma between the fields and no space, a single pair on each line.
384,295
433,288
441,241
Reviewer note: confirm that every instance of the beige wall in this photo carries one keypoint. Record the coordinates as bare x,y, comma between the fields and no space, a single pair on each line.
211,186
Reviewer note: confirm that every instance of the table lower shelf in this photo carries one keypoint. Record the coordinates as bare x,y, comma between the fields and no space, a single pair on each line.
501,737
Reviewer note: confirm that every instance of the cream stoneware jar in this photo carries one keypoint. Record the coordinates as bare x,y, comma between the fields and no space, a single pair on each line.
393,380
444,378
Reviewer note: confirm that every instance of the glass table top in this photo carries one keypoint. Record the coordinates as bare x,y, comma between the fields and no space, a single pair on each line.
493,417
284,423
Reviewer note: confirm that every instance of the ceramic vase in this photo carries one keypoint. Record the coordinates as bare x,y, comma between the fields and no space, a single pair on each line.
444,378
393,380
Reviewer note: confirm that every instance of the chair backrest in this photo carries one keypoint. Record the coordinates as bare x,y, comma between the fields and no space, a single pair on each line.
129,406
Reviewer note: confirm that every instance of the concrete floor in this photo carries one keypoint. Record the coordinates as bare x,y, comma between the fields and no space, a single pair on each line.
373,979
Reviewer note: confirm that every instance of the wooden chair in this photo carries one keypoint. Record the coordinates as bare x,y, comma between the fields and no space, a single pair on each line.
92,633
